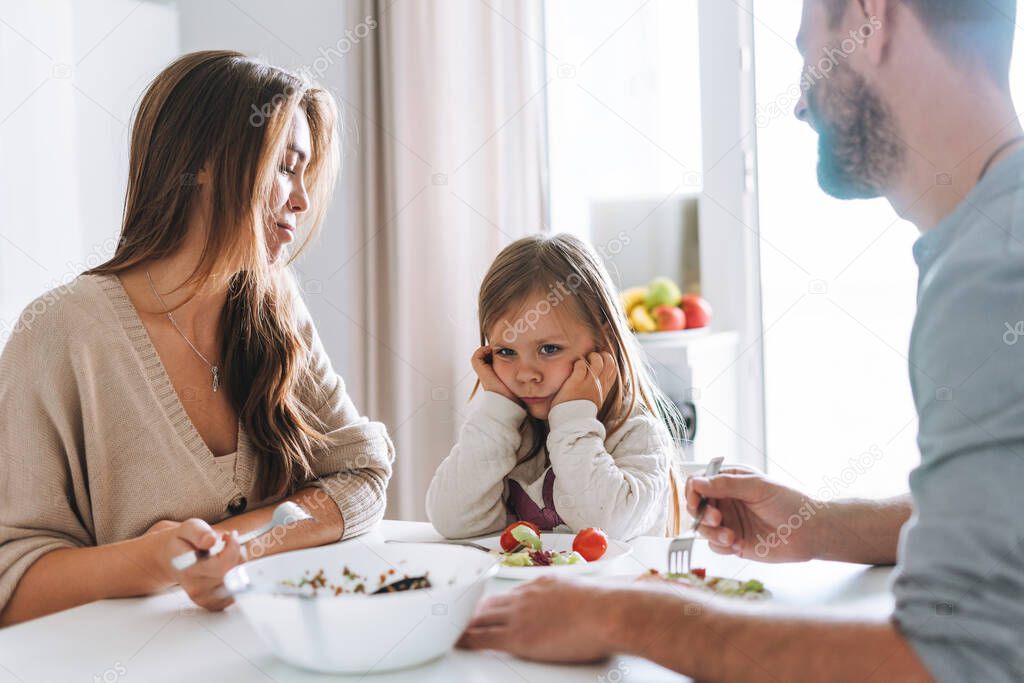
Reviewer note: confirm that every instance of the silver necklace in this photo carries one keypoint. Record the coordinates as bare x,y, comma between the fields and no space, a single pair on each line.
213,368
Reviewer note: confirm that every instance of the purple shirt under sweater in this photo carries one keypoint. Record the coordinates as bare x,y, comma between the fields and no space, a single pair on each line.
526,510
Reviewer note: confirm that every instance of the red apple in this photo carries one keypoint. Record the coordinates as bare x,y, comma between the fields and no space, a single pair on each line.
670,318
697,310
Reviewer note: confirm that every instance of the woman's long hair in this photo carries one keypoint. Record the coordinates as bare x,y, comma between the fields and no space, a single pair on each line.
561,270
230,115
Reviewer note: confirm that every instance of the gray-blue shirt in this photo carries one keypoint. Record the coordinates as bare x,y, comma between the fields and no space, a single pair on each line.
959,586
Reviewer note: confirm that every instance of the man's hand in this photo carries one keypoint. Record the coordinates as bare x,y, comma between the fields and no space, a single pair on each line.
550,619
753,517
592,379
685,629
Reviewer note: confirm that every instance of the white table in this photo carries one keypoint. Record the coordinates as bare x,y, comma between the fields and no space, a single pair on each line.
166,638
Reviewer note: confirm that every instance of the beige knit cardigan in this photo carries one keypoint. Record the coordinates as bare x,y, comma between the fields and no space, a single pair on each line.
95,445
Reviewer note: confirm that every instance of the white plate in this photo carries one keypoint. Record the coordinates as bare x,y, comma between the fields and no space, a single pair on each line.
676,335
616,551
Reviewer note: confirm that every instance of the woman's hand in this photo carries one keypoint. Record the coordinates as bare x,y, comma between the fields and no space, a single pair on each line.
753,517
204,580
161,526
482,364
592,379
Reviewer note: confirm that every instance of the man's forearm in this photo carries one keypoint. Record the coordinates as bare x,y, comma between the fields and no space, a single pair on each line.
712,642
865,531
326,527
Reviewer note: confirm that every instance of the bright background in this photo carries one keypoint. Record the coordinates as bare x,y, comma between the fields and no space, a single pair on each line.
629,119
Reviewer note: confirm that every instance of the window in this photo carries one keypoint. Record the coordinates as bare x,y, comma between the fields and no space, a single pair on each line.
839,285
647,149
624,103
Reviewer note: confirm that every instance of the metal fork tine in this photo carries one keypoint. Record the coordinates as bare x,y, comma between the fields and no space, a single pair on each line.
681,549
679,553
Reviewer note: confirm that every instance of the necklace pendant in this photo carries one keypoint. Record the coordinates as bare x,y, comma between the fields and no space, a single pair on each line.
216,377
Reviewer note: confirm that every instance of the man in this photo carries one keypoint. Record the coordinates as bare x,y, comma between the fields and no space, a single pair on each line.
919,112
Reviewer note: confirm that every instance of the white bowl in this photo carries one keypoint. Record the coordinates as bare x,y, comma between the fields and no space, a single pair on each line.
360,634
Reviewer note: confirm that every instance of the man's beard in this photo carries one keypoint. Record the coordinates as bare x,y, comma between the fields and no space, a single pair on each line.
859,150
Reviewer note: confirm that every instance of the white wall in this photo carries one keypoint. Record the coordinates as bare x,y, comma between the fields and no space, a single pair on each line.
70,74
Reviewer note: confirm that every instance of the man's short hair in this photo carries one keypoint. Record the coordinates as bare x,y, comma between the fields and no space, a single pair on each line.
979,29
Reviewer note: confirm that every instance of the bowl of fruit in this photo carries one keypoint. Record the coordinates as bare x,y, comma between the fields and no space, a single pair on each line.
661,309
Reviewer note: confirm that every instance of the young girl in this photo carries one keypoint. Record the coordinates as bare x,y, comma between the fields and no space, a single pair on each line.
570,432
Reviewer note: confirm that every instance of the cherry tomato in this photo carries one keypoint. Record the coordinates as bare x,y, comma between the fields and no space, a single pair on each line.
699,572
591,544
508,542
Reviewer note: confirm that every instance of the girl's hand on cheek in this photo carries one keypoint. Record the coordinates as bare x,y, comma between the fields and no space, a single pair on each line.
591,380
482,364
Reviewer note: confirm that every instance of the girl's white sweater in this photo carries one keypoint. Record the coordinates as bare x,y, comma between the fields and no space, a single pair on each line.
619,483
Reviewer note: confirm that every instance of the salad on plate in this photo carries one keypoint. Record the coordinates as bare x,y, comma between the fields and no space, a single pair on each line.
751,589
521,546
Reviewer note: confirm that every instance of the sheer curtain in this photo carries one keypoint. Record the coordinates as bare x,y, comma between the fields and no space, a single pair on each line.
449,165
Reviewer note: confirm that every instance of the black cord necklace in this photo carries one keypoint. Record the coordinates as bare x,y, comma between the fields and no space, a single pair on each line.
999,150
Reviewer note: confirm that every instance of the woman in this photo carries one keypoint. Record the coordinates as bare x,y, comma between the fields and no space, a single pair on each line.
178,392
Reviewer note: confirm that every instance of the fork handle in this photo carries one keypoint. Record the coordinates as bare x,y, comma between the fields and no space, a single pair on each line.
186,560
469,544
255,533
713,468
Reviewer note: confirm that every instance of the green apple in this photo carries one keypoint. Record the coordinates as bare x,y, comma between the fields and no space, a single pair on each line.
662,292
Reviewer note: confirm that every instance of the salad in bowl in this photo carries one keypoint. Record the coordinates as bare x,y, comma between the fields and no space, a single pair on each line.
360,607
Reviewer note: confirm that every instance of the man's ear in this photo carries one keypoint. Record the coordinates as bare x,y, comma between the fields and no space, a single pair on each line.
873,31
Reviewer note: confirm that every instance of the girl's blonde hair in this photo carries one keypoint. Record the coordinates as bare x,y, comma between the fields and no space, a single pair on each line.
562,269
229,114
